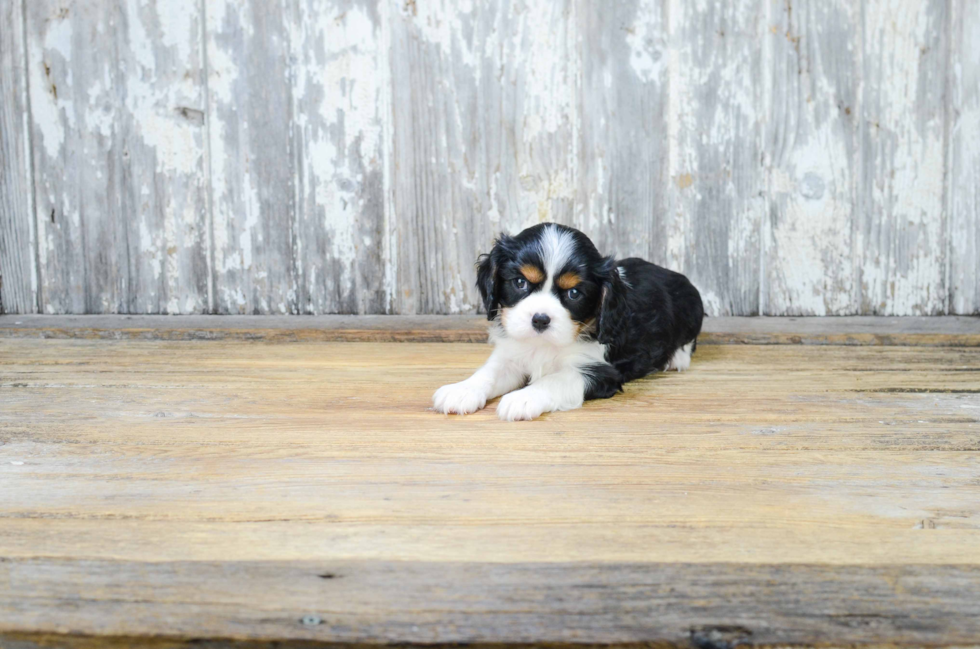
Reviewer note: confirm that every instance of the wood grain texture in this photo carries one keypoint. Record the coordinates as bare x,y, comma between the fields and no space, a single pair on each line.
717,182
18,274
902,222
622,146
336,59
964,157
931,331
355,156
118,105
297,156
568,604
483,130
252,181
222,489
815,156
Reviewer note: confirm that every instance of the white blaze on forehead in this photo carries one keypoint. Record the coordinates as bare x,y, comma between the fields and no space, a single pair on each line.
557,247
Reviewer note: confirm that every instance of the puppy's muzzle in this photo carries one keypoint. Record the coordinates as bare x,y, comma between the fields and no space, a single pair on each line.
540,321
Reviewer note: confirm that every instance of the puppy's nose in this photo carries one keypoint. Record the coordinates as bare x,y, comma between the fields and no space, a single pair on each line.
540,322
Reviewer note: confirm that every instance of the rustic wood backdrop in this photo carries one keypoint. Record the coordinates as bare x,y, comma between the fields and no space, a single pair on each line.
354,156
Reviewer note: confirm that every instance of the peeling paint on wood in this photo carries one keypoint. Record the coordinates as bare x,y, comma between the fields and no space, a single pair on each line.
119,156
621,122
337,139
793,157
251,162
483,137
963,122
901,219
715,127
296,150
813,153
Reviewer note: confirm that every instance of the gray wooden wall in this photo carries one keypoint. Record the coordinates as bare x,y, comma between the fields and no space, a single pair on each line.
354,156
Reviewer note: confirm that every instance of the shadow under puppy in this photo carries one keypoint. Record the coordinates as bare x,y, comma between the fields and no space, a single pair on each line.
570,324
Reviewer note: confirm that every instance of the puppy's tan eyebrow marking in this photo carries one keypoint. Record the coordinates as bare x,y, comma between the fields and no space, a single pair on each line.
532,273
569,280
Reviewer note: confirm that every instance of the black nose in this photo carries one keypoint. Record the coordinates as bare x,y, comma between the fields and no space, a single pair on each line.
540,321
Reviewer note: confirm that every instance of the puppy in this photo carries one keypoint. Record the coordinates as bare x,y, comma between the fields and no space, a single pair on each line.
569,324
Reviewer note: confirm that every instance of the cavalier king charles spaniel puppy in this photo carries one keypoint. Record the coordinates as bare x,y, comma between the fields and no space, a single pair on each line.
569,324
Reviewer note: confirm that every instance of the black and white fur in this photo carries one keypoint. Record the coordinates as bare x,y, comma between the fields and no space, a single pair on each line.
571,325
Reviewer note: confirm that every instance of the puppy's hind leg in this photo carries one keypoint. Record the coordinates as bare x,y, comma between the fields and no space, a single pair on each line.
602,381
681,360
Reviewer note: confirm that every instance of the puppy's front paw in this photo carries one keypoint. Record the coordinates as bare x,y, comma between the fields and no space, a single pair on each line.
523,405
460,398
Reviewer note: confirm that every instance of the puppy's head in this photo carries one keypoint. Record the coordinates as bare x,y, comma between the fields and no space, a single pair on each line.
547,284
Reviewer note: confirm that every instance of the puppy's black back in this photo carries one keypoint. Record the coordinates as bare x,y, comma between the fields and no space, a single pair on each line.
665,313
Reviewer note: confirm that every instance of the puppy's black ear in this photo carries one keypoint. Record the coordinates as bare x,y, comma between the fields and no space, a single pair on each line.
486,280
487,267
613,308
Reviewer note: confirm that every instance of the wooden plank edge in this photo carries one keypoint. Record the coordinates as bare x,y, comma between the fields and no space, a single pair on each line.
846,339
56,641
922,332
255,335
80,603
466,336
69,641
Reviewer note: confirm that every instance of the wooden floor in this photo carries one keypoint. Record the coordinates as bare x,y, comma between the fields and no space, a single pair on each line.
255,490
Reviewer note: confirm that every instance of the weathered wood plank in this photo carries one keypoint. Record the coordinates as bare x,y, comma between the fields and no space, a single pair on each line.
439,328
365,152
716,118
949,331
18,272
482,603
297,153
901,244
813,149
778,448
336,64
217,489
621,120
483,128
964,157
252,164
117,97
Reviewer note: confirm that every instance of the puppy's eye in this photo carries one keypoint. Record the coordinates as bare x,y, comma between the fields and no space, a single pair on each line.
520,283
574,294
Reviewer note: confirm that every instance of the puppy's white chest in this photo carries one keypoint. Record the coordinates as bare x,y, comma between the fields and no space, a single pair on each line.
536,361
